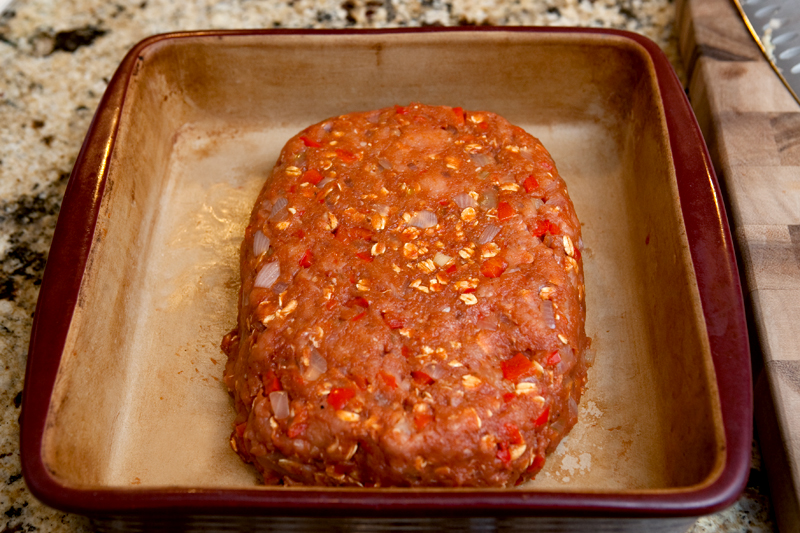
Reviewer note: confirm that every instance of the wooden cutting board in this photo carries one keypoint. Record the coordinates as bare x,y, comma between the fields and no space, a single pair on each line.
752,127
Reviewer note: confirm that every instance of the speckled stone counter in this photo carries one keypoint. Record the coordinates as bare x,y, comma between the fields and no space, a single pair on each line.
55,61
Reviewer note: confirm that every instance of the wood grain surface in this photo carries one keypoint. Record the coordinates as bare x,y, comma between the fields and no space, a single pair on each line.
752,127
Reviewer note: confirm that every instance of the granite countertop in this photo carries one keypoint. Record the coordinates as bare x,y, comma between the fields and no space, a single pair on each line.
55,61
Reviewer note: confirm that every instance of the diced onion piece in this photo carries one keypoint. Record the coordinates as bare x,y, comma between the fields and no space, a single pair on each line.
464,201
317,361
489,199
548,314
386,165
260,243
481,160
423,219
588,356
278,207
488,234
403,427
317,365
531,207
404,384
324,181
280,287
441,259
524,152
567,359
382,210
280,404
485,290
434,371
573,408
488,323
268,275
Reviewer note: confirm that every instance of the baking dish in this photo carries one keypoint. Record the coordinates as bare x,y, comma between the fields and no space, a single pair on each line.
124,414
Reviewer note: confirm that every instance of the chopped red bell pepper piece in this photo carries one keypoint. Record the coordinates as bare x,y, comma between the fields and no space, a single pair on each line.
516,367
421,420
459,112
577,254
545,226
240,429
400,110
351,234
339,396
344,155
514,436
310,142
311,176
405,351
359,316
452,268
541,228
359,301
421,378
543,417
364,256
530,184
505,211
554,358
503,454
493,267
305,261
271,383
508,396
389,379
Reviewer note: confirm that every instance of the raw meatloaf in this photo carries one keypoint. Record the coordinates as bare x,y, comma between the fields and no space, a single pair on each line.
412,305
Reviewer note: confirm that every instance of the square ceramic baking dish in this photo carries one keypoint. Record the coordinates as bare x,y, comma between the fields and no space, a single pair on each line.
124,414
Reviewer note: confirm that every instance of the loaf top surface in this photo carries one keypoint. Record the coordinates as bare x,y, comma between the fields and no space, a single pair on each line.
411,306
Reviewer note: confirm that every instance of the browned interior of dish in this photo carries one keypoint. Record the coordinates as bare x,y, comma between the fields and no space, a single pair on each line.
139,401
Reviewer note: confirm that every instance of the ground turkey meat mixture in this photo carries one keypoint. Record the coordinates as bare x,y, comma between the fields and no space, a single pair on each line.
412,305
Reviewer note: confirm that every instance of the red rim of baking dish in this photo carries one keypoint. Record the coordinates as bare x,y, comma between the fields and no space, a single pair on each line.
713,255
